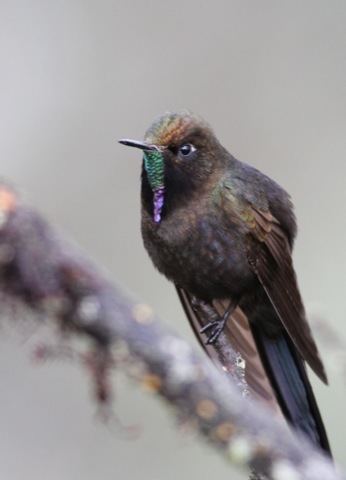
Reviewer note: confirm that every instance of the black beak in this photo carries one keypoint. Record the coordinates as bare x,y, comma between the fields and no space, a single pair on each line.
137,144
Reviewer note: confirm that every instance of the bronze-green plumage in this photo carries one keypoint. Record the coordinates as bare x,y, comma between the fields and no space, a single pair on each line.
223,233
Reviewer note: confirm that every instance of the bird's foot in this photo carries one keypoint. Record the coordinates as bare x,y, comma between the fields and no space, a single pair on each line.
215,327
214,330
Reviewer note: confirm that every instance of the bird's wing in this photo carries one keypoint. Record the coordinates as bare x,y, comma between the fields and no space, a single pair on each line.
238,333
270,258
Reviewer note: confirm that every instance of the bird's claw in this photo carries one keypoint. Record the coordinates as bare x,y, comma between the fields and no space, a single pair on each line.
215,329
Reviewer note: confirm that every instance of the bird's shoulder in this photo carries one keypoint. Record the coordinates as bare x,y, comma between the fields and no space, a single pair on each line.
243,190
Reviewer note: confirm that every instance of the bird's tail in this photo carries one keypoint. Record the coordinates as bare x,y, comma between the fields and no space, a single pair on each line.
290,382
274,372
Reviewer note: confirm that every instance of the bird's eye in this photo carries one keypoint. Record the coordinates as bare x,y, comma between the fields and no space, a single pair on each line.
187,149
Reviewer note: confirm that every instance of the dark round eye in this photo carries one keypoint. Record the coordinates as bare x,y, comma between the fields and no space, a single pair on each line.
187,149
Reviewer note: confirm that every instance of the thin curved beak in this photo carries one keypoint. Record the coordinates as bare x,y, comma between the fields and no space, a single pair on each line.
137,144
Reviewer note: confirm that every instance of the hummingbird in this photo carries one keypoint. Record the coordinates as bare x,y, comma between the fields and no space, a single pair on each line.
223,233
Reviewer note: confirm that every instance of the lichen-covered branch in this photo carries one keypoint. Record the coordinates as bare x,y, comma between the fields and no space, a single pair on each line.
38,269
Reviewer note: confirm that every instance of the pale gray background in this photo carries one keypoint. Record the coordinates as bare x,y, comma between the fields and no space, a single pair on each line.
270,76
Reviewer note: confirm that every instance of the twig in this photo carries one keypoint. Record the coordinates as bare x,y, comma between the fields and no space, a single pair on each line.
41,271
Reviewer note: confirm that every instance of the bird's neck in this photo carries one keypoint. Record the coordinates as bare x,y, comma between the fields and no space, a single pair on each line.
178,193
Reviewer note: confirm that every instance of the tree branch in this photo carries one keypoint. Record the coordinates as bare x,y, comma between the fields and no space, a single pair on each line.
38,269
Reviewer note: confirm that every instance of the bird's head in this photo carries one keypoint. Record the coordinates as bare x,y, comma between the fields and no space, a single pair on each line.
180,154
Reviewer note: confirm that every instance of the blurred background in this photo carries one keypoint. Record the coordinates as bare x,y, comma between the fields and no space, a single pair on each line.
270,77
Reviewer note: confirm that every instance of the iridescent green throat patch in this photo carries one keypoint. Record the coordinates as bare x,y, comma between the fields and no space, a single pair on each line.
154,166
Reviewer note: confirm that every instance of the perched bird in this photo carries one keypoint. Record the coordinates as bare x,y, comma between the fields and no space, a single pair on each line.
223,233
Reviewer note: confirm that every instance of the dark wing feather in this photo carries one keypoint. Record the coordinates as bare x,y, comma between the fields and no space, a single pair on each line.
272,262
239,335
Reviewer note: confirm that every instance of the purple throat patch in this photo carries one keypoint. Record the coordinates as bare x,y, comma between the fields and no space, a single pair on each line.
158,200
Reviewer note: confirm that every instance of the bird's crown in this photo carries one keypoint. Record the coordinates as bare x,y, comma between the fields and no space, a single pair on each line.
170,128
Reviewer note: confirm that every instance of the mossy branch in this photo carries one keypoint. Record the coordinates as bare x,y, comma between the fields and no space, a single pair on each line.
41,271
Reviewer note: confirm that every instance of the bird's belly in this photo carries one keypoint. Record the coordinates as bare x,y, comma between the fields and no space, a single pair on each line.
204,260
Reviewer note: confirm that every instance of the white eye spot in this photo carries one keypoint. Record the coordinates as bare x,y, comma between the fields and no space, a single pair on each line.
187,149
